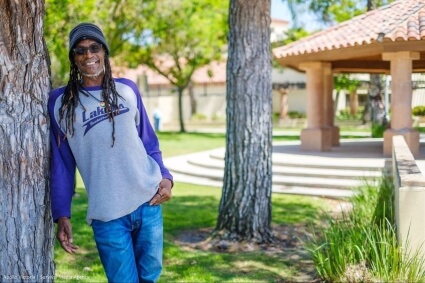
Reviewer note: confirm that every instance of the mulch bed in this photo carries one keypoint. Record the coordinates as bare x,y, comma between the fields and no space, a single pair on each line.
287,245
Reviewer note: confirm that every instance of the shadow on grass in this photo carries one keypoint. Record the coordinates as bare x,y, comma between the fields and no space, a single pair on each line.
296,209
195,208
193,212
85,265
189,263
199,266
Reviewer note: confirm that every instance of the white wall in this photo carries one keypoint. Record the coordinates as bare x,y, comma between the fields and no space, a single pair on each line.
213,105
287,75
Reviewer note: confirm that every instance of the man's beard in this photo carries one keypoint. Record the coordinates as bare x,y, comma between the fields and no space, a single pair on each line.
97,74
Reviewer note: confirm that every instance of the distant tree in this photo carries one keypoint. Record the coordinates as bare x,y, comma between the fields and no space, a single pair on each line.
330,12
184,36
245,206
26,233
292,34
122,21
335,11
171,37
345,82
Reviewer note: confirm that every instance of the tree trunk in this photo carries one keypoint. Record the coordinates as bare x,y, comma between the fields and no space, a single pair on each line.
26,233
354,103
375,88
245,206
338,92
193,108
181,119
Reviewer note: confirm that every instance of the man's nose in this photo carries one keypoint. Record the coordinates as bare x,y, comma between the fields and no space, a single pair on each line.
88,53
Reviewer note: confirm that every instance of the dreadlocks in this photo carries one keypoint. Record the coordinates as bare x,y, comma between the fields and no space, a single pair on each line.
70,98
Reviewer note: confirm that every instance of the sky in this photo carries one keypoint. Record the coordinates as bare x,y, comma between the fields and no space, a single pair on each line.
279,10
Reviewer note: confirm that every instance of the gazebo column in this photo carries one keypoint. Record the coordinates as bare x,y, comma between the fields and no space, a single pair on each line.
329,105
401,101
317,136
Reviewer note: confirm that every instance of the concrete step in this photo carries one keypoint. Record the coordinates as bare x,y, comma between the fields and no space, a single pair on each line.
299,170
288,181
328,174
294,160
295,190
182,165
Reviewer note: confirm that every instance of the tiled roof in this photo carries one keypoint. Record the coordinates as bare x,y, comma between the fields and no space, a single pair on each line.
402,20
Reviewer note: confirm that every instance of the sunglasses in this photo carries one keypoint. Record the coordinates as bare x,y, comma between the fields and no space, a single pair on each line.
94,48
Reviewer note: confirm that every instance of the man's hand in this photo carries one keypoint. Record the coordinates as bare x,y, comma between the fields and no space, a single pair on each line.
64,235
164,192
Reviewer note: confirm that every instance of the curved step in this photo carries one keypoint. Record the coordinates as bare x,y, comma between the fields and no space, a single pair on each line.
283,159
299,171
183,167
296,190
329,174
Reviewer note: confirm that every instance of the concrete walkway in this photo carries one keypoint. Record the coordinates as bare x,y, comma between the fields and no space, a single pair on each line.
331,174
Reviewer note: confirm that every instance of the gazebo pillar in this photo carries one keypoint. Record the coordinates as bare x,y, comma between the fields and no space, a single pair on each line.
317,136
329,105
401,100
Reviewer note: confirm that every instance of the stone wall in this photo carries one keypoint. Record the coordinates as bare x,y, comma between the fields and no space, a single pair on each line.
409,184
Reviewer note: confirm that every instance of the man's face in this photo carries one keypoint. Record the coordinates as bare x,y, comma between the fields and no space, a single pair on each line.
89,56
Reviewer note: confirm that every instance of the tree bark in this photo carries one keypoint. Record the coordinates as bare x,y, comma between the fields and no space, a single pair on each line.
245,206
181,118
193,108
26,233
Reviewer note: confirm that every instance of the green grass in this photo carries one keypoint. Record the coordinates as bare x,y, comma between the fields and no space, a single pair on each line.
174,143
85,266
420,129
192,207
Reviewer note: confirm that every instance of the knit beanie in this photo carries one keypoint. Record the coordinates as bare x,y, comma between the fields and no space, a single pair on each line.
86,31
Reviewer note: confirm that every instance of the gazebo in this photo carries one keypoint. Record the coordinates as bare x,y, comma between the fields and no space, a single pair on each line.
388,40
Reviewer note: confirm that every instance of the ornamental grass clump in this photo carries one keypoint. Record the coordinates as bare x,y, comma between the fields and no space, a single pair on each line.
361,245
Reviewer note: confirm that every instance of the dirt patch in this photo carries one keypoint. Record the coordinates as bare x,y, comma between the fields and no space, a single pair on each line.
288,244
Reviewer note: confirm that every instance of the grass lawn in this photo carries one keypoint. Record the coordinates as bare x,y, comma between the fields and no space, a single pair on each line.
174,143
194,208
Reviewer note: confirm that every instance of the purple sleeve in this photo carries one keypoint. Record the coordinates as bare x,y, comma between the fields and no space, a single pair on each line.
147,133
62,167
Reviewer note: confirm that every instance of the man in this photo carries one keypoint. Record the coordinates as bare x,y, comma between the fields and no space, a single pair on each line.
99,125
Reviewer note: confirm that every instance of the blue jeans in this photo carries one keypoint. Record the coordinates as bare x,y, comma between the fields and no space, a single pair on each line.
130,247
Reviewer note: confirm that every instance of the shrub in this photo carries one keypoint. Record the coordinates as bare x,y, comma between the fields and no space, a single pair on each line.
378,130
345,114
362,245
218,117
199,117
418,110
295,114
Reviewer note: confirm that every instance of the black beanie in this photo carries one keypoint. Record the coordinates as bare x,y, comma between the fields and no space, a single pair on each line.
86,31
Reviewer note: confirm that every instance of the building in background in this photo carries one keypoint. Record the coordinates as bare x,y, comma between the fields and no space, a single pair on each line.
209,89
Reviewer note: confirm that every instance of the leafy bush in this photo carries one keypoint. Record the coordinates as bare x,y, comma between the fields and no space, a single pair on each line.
199,117
296,114
218,116
378,130
345,114
362,245
418,110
